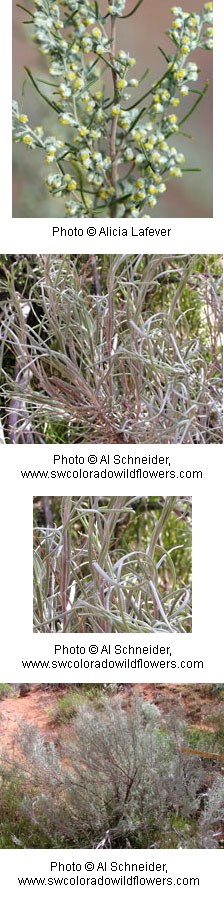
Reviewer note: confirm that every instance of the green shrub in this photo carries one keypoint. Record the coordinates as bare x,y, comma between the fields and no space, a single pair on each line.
18,829
207,740
66,708
6,690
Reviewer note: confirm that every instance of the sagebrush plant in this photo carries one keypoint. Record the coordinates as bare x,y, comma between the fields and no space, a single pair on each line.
111,349
112,155
115,564
213,816
119,779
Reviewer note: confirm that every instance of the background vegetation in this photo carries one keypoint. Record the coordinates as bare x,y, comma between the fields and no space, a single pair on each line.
112,564
111,349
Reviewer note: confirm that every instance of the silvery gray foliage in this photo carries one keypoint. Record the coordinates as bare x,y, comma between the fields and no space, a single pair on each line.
213,815
42,752
110,155
121,775
150,336
128,588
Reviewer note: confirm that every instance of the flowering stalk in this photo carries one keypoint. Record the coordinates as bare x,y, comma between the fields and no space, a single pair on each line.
114,124
114,157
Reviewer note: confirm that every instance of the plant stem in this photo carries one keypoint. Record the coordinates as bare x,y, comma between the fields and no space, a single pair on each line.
113,209
65,558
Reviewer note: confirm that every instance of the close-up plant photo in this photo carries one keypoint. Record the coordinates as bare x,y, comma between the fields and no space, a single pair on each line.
113,107
112,564
117,349
112,766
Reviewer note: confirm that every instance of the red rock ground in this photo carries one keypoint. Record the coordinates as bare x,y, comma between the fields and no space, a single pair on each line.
36,707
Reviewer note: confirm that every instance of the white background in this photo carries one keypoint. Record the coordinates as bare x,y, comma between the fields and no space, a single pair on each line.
199,236
207,866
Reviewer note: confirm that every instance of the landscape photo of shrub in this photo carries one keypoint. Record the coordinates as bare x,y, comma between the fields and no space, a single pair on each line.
112,564
118,349
104,115
112,766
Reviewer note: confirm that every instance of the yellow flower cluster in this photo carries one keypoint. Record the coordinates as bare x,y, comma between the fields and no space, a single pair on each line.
100,134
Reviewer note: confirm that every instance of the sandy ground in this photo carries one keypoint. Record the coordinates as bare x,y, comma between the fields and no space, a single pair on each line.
33,708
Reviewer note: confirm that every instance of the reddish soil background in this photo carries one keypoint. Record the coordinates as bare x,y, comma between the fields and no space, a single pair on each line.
32,708
36,708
